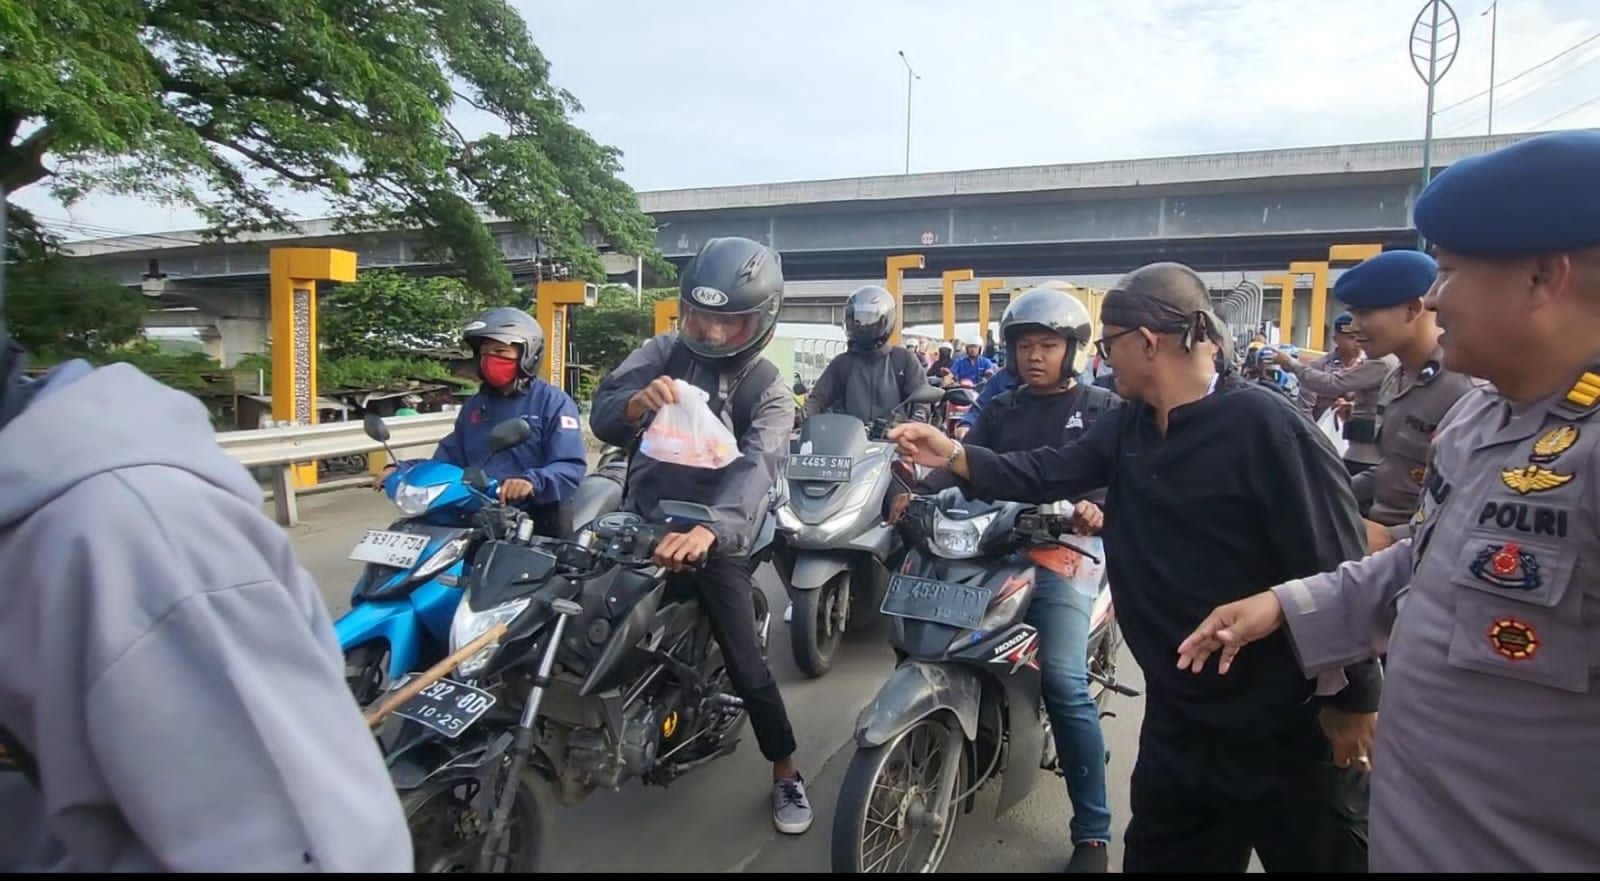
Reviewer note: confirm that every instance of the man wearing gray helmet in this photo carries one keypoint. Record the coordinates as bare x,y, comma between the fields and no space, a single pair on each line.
871,378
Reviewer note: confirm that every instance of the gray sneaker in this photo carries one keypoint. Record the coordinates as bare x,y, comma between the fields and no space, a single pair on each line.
791,811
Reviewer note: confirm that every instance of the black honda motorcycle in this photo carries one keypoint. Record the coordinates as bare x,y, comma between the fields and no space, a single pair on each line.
607,671
964,704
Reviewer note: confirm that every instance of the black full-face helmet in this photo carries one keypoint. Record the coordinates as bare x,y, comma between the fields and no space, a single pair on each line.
1051,307
869,317
728,299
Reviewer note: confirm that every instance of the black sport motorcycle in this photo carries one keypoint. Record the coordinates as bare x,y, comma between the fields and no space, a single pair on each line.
964,704
607,671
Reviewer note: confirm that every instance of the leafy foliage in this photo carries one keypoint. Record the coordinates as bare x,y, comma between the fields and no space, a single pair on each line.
58,309
612,328
381,313
343,98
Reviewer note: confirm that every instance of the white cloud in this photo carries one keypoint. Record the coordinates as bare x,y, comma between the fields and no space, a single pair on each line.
711,92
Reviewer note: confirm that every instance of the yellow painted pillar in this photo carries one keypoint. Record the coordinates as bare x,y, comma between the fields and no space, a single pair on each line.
894,270
1318,270
666,315
552,300
1285,280
293,277
986,288
948,307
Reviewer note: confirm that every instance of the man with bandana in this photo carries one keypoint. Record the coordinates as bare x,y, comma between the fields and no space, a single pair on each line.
1486,760
1216,488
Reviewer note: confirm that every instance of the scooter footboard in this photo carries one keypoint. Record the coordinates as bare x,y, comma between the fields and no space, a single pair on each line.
915,691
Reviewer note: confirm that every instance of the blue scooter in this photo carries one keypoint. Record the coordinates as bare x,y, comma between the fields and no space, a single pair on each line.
402,605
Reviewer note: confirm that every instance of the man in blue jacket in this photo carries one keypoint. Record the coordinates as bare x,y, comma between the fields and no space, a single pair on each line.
543,472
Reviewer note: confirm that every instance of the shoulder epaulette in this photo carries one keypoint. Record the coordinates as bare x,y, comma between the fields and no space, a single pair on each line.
1584,396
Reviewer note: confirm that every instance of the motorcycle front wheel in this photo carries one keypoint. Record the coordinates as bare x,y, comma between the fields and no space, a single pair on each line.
887,801
818,624
447,830
366,669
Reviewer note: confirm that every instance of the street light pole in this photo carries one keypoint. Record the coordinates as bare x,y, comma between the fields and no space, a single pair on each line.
910,75
1494,30
1441,55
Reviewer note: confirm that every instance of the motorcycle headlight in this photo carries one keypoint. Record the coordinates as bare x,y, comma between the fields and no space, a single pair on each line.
959,539
447,554
414,500
468,625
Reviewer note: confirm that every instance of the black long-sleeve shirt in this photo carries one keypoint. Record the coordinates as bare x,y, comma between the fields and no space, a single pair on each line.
1243,493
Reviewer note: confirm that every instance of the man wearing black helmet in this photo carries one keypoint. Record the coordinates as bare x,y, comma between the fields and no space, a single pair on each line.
1047,332
1217,488
871,378
728,302
543,472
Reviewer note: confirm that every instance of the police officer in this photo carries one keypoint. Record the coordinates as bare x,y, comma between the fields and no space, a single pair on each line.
728,301
1486,756
1345,373
1385,297
542,473
870,378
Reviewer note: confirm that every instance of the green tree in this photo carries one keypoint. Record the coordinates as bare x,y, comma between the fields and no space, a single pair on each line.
55,308
383,314
342,98
607,331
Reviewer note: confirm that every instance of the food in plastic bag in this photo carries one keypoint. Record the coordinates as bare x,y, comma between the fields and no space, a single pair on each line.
1329,423
688,433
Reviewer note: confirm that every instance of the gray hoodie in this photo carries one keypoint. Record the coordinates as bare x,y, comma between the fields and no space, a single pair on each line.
167,662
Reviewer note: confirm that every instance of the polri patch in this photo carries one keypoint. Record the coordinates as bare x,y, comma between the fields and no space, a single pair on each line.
1513,639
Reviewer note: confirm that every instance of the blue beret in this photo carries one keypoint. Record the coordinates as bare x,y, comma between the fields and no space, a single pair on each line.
1389,279
1342,321
1537,196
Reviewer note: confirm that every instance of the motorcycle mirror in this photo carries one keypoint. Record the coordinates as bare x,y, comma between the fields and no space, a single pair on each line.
509,433
475,478
927,394
960,396
375,427
686,511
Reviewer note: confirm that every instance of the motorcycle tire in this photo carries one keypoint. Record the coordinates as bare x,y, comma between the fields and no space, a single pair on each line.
862,782
815,631
530,829
365,671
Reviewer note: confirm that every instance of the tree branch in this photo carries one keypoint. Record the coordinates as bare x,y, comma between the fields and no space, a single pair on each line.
262,159
24,164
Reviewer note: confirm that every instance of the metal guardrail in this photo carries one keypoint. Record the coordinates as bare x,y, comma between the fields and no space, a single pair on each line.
282,448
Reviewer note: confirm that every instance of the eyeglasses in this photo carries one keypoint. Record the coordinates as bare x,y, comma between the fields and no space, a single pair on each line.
1102,346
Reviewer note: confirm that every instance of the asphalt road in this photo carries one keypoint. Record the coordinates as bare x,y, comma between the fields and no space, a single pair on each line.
718,818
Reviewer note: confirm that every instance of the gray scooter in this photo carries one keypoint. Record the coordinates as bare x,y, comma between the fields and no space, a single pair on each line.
832,541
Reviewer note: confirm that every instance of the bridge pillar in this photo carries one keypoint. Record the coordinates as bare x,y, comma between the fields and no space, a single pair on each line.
950,277
986,288
894,270
294,273
553,299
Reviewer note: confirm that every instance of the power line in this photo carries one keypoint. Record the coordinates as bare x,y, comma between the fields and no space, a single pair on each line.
1568,112
1562,53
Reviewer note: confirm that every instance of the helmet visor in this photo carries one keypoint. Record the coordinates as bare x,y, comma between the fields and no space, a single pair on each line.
718,334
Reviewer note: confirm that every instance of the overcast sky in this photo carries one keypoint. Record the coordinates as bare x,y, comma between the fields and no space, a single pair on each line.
714,92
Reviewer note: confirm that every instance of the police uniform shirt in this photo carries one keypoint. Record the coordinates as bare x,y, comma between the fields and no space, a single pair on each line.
1494,648
1409,410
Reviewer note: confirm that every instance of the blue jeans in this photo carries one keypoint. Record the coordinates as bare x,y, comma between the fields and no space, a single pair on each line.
1060,611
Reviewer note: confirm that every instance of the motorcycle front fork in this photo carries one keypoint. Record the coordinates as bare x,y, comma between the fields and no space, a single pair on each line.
522,745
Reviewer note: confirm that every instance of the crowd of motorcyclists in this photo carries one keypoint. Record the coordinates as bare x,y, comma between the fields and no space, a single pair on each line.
1426,550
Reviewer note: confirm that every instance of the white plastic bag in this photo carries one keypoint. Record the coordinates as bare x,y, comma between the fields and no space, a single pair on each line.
688,433
1329,423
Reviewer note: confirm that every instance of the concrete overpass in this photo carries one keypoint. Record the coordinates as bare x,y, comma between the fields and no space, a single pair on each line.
1230,213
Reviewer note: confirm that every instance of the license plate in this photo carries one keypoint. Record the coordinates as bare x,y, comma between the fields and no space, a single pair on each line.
399,549
446,706
829,469
958,605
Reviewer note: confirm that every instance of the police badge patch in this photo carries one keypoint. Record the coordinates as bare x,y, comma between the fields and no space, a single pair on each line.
1507,566
1513,640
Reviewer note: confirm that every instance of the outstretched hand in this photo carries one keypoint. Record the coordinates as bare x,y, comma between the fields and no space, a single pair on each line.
1230,628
